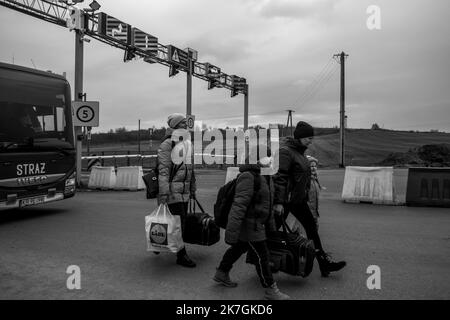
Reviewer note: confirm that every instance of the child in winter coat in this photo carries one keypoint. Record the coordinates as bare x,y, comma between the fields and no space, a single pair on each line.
314,191
249,221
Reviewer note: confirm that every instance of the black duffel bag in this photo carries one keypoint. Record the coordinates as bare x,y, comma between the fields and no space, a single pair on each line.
290,252
199,227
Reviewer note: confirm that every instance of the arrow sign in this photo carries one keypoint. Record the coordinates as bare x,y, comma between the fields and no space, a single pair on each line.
114,28
144,41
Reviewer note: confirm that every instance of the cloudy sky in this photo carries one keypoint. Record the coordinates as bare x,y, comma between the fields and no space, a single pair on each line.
398,77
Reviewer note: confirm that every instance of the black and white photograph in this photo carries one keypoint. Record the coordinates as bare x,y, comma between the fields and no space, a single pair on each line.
223,155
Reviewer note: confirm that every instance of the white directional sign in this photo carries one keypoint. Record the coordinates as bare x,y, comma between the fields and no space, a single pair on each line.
190,120
85,113
144,41
114,28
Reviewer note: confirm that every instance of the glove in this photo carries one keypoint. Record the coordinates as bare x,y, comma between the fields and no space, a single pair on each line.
278,209
163,199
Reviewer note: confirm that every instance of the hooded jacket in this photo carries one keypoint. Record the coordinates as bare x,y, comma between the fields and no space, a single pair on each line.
182,183
293,179
251,214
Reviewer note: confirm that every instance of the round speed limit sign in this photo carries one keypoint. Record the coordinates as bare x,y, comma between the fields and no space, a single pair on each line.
85,114
190,121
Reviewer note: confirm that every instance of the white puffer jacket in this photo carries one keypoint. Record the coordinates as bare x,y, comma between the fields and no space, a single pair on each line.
182,183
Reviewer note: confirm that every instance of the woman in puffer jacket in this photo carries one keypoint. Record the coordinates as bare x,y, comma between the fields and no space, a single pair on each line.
249,220
176,181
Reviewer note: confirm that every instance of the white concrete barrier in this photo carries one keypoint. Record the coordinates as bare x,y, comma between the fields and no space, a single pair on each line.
102,178
232,172
130,178
369,184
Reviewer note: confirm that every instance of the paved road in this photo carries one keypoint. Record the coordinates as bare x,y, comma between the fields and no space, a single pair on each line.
103,233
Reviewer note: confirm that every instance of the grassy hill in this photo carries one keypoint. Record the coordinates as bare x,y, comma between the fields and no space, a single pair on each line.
363,147
370,147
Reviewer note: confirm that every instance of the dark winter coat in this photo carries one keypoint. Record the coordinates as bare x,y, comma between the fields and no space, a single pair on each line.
293,179
251,216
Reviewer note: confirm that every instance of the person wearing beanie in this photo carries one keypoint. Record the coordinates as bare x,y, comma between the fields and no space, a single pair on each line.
176,181
292,186
303,130
176,121
250,217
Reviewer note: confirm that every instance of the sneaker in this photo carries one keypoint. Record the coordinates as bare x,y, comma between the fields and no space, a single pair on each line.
273,293
223,278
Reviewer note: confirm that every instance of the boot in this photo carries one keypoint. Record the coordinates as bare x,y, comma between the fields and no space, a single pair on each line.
184,260
223,278
326,265
273,293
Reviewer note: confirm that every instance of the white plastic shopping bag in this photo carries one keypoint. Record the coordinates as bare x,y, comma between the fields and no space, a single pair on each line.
163,231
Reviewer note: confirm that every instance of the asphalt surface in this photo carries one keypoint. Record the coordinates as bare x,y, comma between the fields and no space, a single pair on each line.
102,232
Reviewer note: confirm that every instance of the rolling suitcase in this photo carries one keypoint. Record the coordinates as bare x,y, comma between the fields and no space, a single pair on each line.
200,227
290,252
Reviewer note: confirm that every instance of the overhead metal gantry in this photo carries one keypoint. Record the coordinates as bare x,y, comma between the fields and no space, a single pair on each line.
134,42
116,33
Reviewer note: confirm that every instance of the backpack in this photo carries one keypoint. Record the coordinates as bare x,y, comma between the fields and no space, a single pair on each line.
151,179
225,198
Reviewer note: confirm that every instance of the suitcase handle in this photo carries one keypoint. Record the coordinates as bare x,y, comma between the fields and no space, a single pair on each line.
286,228
192,203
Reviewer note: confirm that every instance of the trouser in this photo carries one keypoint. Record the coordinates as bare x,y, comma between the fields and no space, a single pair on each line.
303,214
261,252
180,209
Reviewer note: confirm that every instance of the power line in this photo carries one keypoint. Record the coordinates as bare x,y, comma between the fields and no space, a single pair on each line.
319,85
315,80
314,86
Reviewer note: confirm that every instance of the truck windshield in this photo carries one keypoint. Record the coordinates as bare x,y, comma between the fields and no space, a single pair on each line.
33,115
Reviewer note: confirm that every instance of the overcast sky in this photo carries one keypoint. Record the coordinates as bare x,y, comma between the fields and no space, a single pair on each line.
398,77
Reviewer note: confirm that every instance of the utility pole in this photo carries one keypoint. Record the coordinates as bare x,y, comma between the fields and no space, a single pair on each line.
78,94
289,120
342,57
139,136
189,86
246,108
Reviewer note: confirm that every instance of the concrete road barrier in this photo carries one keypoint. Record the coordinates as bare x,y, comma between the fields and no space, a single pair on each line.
232,173
102,178
129,178
428,187
369,185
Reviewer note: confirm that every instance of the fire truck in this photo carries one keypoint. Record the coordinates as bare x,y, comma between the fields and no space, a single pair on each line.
37,144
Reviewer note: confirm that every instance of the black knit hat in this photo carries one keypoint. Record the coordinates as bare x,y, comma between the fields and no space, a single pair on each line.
303,130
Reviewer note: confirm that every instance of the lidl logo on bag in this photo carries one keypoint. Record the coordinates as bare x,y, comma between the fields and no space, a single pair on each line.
158,233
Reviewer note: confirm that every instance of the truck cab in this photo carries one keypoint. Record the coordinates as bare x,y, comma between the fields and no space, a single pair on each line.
37,146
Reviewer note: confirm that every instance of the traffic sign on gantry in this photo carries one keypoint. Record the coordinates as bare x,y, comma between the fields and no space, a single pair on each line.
144,41
178,57
114,28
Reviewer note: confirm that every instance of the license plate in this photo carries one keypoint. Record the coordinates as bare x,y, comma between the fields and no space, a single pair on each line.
31,201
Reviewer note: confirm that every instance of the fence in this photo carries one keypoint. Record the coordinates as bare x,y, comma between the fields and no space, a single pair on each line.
119,159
